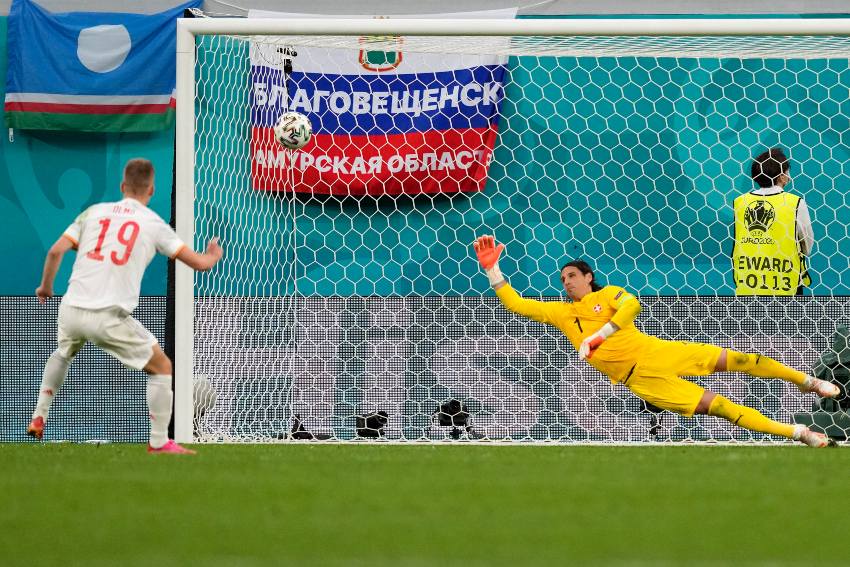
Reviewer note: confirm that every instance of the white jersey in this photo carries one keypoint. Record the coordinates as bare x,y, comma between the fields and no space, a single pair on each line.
115,243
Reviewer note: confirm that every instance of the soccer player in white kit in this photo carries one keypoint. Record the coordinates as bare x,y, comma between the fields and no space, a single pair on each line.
115,242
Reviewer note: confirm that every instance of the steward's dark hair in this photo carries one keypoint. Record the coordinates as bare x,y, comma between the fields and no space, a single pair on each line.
584,268
767,167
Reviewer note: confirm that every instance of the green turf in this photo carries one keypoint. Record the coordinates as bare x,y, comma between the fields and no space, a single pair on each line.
67,504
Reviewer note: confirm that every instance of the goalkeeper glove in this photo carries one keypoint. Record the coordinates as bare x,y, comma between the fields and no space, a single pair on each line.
590,344
488,256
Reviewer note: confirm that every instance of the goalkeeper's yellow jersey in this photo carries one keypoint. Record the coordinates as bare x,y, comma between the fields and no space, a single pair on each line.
618,354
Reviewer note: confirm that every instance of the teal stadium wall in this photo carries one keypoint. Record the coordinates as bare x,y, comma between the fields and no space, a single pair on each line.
657,222
639,180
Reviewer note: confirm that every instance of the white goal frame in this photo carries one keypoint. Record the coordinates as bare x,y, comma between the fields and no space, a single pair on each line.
189,29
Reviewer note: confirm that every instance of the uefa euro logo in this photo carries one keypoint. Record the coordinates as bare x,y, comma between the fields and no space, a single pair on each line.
759,215
380,53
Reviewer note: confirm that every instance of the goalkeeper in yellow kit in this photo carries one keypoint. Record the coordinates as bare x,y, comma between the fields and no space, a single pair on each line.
599,322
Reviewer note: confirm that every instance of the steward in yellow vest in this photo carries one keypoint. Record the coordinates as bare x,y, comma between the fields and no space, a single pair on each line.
772,233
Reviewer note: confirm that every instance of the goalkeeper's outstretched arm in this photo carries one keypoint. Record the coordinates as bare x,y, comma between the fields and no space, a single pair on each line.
488,256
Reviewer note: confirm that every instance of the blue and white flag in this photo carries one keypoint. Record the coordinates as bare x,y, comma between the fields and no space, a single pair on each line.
91,71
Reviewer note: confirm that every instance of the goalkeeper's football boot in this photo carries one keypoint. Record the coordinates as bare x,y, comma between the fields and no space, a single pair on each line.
815,439
36,428
820,387
171,447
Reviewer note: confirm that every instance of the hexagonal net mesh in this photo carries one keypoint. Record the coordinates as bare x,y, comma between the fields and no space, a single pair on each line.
349,285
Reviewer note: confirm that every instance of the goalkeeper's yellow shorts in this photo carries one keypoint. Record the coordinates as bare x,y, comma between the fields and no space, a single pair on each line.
657,377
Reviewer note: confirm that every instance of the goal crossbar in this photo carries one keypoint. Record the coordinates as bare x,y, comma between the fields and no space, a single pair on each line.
188,28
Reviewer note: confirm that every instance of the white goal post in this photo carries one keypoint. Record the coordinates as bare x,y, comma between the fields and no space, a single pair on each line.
372,313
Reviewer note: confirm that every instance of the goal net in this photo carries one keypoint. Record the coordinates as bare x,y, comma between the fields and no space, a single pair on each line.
350,305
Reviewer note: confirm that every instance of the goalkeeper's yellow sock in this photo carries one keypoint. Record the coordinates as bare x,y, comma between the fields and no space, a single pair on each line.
762,366
748,418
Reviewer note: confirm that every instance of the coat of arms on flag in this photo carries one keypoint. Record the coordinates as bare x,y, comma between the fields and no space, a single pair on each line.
387,118
374,56
91,71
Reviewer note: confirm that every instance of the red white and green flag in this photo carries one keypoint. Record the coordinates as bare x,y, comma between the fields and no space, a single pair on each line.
91,71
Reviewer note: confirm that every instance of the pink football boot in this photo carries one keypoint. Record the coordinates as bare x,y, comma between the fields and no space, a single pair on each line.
36,428
171,447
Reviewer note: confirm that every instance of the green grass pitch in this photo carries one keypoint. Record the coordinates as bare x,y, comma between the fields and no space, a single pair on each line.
370,505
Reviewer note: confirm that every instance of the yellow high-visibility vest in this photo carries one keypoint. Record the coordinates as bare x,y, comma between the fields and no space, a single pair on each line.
766,259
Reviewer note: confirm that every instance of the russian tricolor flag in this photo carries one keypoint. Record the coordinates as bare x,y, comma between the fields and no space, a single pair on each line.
384,122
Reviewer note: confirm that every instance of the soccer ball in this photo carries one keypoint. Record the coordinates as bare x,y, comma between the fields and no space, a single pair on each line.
204,395
293,130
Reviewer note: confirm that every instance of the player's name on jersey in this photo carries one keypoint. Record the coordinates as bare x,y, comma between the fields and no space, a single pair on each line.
464,159
120,209
413,102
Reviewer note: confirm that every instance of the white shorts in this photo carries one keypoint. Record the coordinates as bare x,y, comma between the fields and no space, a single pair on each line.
112,329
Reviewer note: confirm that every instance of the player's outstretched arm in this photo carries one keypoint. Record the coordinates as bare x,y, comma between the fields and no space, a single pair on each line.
488,253
202,262
51,266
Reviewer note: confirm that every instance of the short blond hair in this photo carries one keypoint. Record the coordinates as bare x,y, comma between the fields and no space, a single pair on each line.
138,175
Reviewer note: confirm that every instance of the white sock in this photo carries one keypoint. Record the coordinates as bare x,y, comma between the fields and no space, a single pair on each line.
55,371
159,408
